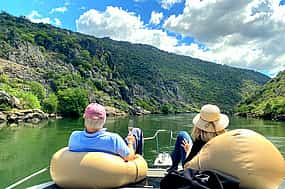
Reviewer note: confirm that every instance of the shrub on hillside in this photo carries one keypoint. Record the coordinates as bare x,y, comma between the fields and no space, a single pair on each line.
28,100
37,89
166,109
72,101
50,104
145,105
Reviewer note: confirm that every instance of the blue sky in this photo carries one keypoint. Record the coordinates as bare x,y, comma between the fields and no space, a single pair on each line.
245,34
75,8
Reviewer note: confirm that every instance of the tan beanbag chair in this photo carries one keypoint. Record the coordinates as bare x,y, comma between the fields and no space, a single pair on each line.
243,154
95,170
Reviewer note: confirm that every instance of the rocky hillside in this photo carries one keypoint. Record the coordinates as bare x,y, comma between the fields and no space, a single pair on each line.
268,102
132,78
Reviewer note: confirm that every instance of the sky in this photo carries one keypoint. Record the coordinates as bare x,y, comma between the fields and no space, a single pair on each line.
247,34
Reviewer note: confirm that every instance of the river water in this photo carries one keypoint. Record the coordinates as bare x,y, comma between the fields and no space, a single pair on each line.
26,149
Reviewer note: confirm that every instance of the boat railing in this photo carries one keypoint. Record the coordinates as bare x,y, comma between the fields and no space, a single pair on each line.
155,134
156,137
27,178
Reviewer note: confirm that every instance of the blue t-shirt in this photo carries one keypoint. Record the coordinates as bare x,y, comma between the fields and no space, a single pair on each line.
100,141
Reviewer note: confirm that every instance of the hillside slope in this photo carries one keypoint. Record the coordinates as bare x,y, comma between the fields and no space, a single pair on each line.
120,74
268,102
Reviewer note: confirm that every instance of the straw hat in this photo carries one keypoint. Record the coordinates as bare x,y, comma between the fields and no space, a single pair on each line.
210,119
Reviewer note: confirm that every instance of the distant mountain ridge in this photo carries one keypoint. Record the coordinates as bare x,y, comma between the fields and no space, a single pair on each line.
268,102
129,77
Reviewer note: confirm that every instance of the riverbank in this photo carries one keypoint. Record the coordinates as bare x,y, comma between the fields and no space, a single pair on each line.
34,116
277,117
25,116
14,110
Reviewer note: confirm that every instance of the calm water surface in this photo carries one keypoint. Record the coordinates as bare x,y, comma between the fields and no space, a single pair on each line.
26,149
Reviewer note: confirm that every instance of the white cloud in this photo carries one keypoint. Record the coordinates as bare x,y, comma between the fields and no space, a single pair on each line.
241,33
57,22
124,26
82,8
35,17
58,9
62,9
33,14
155,17
194,50
167,4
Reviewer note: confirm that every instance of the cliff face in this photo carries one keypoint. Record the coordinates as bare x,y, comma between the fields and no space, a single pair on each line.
130,77
268,102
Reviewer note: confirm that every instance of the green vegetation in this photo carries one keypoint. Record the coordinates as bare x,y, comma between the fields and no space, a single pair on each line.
5,106
167,108
146,105
267,102
50,104
37,89
72,101
117,74
22,90
30,100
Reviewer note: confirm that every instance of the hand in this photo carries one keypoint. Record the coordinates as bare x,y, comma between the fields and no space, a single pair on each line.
131,139
186,145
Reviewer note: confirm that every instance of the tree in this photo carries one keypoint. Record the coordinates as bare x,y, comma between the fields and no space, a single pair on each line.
166,109
29,100
37,89
72,101
44,40
50,104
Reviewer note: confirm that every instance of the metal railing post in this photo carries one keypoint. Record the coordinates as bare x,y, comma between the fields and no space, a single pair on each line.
157,147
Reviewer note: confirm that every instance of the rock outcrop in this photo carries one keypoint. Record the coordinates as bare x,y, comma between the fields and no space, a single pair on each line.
138,111
111,111
29,116
3,117
8,101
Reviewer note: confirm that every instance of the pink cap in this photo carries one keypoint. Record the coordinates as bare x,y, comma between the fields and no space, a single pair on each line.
95,111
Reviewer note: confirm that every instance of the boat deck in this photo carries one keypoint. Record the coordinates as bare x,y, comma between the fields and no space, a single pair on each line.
154,175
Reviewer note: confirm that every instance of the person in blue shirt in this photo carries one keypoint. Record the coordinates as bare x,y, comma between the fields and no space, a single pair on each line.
95,138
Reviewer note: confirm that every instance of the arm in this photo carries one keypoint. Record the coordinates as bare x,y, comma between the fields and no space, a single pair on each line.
122,149
131,156
197,145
